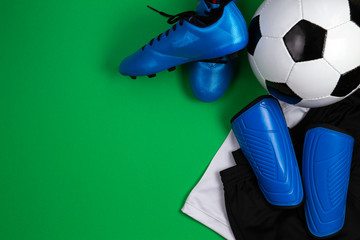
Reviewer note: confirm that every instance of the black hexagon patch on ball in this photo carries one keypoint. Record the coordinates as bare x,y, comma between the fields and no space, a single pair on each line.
347,83
254,35
355,11
305,41
282,92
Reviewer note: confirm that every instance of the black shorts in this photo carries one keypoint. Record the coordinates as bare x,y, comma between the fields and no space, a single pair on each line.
252,218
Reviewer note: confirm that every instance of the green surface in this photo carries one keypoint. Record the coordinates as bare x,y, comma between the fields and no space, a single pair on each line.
86,153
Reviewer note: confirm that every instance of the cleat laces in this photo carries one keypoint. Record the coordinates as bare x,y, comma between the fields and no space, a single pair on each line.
171,20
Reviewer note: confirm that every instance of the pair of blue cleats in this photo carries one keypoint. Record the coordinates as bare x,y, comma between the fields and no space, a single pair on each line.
208,39
263,136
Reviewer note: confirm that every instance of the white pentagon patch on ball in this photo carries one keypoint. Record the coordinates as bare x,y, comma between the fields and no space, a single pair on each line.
313,79
282,62
256,71
340,46
273,14
306,52
314,11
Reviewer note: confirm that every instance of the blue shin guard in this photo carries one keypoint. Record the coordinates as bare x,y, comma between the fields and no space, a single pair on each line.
263,136
326,171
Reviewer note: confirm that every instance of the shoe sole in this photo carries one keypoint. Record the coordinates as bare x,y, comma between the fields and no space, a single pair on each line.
154,75
213,60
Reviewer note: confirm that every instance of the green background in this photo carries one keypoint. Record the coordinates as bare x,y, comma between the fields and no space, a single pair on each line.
86,153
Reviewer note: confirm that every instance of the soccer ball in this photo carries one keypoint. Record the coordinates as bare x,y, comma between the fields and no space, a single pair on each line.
306,52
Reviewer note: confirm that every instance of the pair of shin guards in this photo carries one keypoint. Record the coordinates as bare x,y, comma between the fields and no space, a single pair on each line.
264,138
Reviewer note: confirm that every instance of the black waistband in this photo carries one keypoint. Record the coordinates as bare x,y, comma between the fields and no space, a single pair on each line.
240,172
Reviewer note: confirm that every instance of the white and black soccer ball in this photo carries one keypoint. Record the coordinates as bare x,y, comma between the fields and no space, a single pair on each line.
306,52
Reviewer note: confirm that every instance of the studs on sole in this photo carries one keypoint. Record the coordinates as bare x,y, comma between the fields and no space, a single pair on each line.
213,60
233,55
154,75
171,69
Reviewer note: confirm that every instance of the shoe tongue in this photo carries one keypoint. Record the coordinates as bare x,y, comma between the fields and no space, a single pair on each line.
211,17
213,5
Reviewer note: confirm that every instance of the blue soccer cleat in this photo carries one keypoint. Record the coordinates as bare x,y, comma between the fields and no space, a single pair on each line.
209,80
192,38
326,172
